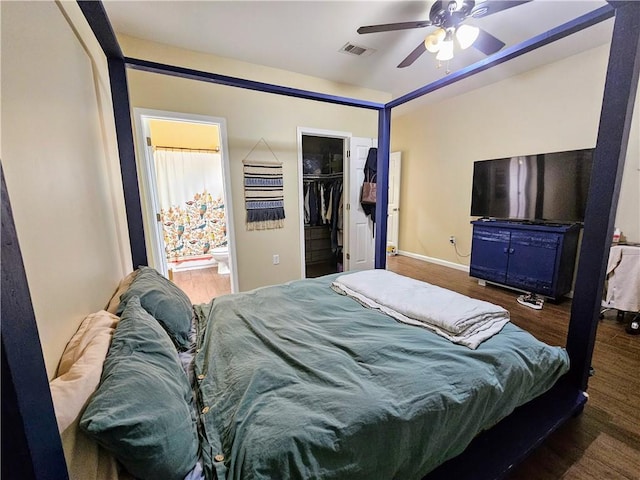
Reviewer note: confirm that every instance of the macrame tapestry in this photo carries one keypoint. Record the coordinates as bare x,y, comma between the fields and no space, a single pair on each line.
263,193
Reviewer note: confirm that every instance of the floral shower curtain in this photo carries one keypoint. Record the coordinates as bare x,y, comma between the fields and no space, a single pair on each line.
191,197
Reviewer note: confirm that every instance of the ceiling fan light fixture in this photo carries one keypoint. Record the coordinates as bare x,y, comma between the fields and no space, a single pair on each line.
446,51
466,35
433,42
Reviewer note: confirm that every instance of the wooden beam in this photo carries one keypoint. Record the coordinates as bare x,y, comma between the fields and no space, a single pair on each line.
31,445
382,191
620,89
96,15
191,74
98,20
127,155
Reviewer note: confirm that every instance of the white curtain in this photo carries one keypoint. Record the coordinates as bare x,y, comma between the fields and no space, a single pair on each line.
191,197
180,174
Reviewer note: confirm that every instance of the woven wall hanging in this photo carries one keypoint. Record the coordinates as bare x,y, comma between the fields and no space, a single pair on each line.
263,192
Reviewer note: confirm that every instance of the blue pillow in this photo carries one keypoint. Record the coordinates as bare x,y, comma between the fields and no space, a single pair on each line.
164,301
141,410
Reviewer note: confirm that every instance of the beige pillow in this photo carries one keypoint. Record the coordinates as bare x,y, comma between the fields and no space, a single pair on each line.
79,374
81,366
123,286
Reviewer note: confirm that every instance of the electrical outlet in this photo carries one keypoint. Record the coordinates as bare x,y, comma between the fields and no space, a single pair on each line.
276,259
452,240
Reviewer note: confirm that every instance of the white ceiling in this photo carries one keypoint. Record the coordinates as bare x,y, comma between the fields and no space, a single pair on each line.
305,36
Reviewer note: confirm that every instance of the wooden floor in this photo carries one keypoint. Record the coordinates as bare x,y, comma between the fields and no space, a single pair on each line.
202,284
603,442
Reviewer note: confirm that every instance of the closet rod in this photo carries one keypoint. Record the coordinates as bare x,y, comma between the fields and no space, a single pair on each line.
322,176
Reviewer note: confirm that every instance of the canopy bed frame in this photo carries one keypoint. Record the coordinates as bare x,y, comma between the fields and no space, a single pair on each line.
32,426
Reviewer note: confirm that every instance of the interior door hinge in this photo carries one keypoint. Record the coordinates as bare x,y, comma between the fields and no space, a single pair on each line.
348,257
348,153
148,141
348,206
158,217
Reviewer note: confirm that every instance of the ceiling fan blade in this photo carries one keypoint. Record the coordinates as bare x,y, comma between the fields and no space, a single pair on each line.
487,43
389,27
490,7
413,56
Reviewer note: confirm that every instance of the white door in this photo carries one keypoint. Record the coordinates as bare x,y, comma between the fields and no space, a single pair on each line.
360,254
393,215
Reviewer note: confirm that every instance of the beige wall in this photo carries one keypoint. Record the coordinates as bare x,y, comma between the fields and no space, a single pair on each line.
552,108
60,162
251,116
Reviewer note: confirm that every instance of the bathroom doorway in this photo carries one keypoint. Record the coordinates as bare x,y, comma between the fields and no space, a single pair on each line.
184,181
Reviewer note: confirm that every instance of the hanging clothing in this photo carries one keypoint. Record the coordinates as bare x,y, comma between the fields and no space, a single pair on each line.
336,224
323,206
330,206
306,204
313,204
370,171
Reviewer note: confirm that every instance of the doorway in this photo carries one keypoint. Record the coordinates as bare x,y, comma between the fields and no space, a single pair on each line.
323,157
185,184
393,208
329,158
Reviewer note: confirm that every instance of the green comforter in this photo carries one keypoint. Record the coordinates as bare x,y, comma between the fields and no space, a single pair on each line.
297,381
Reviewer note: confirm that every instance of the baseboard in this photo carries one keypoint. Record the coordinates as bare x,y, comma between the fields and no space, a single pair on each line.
437,261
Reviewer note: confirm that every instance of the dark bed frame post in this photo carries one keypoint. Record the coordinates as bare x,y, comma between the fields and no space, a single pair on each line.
31,445
126,151
382,192
608,164
97,18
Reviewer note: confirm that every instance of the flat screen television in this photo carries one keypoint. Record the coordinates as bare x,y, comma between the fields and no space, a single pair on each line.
548,187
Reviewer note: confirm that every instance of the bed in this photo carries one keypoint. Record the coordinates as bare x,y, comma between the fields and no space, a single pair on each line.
299,380
32,425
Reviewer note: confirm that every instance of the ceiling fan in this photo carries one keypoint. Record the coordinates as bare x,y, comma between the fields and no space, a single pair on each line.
449,16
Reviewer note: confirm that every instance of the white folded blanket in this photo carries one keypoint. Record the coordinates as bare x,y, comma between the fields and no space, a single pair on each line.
459,318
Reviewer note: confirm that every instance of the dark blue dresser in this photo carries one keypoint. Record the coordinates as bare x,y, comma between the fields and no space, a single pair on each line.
535,257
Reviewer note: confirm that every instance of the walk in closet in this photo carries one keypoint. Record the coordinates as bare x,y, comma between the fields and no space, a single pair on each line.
322,164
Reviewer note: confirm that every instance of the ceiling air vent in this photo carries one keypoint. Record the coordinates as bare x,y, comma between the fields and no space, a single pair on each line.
357,50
